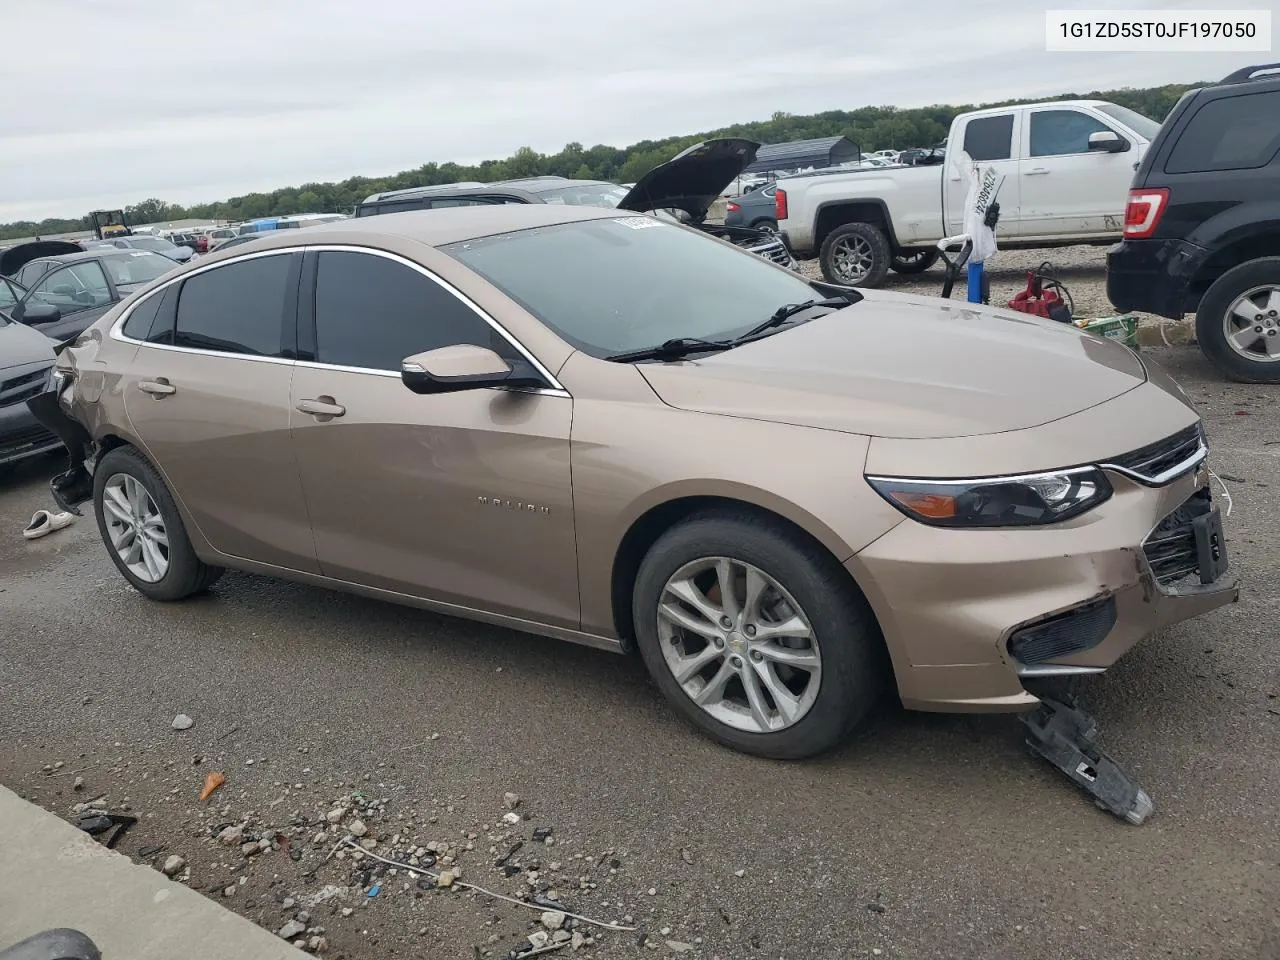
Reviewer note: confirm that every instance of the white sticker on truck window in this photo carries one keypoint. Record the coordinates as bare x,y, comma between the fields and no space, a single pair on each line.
637,223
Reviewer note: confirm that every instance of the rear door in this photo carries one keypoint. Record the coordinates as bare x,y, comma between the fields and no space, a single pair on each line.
1067,189
208,395
991,141
462,498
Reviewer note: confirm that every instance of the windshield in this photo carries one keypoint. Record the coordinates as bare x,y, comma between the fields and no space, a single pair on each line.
607,195
159,244
1143,126
137,266
625,283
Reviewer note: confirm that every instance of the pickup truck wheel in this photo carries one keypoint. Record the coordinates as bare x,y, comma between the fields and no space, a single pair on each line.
855,255
1238,322
916,260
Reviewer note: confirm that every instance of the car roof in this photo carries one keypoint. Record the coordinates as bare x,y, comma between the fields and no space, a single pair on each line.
436,228
93,253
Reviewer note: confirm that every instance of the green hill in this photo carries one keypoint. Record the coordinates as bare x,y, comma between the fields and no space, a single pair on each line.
872,128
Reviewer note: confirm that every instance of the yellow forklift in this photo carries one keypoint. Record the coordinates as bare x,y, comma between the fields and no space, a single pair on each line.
109,223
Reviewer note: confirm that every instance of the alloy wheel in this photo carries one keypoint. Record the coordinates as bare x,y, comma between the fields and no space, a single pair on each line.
1251,326
739,645
136,527
852,259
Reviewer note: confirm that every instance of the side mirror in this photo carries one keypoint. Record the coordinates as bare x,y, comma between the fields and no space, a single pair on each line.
1107,142
38,313
463,366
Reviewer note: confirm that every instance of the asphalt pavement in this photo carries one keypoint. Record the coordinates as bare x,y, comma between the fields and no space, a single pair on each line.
926,836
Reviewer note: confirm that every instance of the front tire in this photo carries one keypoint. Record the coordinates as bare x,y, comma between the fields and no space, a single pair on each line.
142,529
913,261
757,636
855,255
1238,322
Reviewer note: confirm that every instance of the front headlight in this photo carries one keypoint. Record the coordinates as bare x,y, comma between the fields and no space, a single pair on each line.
1023,501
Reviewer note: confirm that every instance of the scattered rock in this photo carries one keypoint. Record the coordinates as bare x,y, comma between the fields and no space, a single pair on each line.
539,939
182,722
510,800
577,940
358,828
541,834
445,879
739,873
876,907
686,856
77,784
291,930
317,944
231,836
675,946
288,903
172,865
553,919
250,849
229,891
560,936
335,815
511,818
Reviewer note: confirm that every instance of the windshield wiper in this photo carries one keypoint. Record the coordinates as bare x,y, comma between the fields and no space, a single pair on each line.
673,349
789,310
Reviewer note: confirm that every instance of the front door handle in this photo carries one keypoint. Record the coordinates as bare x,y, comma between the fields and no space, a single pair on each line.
324,407
1037,171
159,387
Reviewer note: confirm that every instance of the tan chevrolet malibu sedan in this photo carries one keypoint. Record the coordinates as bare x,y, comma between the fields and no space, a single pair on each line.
618,431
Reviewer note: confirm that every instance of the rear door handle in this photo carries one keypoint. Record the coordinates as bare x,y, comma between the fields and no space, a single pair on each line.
1037,171
321,407
159,387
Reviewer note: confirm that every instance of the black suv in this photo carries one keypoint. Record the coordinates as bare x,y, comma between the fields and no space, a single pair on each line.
688,184
1202,226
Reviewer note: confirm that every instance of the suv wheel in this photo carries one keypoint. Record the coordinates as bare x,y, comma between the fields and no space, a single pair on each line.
756,636
914,260
1238,322
142,529
855,255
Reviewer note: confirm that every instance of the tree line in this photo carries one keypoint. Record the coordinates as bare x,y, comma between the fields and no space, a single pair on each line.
872,128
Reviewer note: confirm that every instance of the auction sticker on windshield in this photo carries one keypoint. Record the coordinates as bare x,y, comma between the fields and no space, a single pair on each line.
637,223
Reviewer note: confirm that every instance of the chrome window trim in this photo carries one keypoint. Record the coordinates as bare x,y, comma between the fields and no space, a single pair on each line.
117,328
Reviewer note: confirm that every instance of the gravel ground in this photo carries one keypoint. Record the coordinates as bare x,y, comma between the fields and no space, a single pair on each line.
1081,269
335,717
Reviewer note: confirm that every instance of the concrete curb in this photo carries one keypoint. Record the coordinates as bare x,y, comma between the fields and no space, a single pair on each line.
53,875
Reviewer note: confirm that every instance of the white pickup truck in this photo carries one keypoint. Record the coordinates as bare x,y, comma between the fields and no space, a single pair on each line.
1065,165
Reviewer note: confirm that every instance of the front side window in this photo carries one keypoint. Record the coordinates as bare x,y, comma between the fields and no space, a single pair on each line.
1231,133
236,308
616,284
137,266
79,286
32,272
989,138
373,312
1057,133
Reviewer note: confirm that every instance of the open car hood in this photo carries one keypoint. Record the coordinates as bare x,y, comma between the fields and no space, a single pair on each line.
693,179
15,258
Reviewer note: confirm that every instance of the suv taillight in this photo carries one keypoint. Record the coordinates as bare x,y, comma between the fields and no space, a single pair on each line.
1143,212
732,207
780,204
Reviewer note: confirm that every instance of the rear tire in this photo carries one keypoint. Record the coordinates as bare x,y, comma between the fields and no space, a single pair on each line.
167,567
767,225
913,261
855,255
845,655
1243,307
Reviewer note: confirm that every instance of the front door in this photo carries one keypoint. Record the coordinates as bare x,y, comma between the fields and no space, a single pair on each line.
208,396
1067,189
460,497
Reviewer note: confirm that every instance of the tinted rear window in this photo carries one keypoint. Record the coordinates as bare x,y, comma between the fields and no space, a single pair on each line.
236,308
989,138
1231,133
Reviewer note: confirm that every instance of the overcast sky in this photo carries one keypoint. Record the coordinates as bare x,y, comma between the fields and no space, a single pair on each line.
108,102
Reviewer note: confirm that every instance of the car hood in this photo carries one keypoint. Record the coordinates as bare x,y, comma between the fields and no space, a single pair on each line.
907,367
20,344
15,258
693,179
